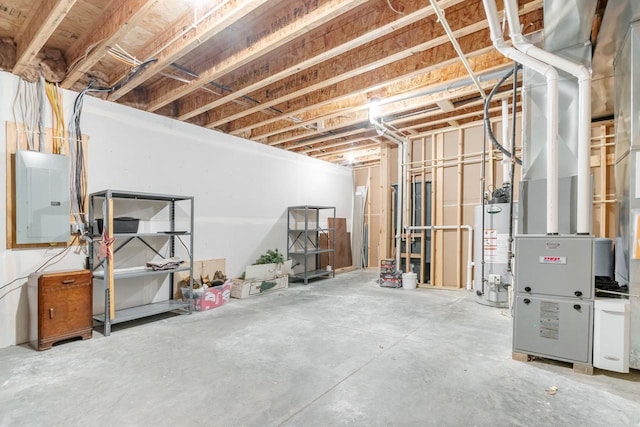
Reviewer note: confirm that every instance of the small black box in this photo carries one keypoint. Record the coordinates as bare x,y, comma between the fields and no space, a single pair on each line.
121,225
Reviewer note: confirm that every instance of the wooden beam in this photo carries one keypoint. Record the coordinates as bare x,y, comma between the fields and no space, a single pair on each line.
357,115
44,18
438,211
371,60
379,18
414,60
339,144
364,149
185,41
120,17
336,117
326,11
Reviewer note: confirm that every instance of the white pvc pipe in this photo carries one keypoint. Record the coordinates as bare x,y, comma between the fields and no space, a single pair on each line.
584,109
456,46
405,175
506,161
400,142
453,227
551,76
400,206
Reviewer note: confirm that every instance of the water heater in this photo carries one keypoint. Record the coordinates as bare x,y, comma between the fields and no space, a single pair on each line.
493,242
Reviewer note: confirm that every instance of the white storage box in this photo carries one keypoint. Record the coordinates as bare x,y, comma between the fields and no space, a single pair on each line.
611,334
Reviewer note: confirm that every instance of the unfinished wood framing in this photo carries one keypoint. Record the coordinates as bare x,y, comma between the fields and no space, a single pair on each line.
451,159
44,18
293,74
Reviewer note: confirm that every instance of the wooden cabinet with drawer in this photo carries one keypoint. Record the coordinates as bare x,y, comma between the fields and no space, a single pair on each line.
60,307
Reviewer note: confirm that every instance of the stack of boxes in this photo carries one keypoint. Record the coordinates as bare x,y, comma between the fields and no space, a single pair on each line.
389,276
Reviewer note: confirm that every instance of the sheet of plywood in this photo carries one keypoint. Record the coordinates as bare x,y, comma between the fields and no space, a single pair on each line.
324,258
342,242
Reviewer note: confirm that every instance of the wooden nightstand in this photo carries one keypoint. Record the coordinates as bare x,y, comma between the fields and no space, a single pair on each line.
60,307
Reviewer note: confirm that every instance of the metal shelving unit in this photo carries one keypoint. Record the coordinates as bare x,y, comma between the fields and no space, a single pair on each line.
101,269
305,226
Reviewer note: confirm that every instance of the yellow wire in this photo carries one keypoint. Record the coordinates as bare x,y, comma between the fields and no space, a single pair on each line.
57,116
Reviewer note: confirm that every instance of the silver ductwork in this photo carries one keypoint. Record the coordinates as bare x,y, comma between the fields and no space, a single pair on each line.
625,17
566,43
551,103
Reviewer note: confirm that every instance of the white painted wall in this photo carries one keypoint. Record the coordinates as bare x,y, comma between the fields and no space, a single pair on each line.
241,190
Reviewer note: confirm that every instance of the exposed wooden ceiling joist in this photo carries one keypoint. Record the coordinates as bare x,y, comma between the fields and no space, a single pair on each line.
325,48
43,19
118,19
206,27
325,11
293,74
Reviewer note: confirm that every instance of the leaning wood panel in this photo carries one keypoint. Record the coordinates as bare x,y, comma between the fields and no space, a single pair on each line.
342,244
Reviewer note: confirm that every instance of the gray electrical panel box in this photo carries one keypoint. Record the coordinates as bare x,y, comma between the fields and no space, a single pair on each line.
42,197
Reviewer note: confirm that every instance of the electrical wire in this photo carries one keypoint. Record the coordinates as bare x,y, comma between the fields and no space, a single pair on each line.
46,264
487,119
57,116
60,254
393,9
13,281
78,175
28,110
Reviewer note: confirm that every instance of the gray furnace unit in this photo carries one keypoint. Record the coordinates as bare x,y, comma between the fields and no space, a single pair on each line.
554,297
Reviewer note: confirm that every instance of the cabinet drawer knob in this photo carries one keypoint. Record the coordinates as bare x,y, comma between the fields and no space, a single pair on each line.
527,300
527,288
578,293
51,313
68,281
576,306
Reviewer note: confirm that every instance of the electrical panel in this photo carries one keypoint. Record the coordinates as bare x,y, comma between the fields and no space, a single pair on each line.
42,197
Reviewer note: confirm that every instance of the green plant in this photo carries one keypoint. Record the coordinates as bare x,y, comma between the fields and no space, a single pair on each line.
270,257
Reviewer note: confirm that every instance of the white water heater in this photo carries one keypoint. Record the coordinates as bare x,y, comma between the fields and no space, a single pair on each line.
492,242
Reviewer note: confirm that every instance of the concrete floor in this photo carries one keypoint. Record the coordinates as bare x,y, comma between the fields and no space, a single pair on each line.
336,352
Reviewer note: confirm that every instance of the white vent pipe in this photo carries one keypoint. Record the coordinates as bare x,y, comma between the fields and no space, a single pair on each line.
551,76
584,108
402,148
506,161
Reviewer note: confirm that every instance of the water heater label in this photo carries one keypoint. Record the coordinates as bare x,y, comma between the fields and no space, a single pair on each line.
553,259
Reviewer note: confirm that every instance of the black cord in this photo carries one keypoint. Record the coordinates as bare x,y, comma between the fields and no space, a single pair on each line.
487,119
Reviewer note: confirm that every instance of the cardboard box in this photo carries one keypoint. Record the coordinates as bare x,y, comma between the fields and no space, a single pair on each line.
206,299
244,288
387,266
200,268
391,280
267,271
